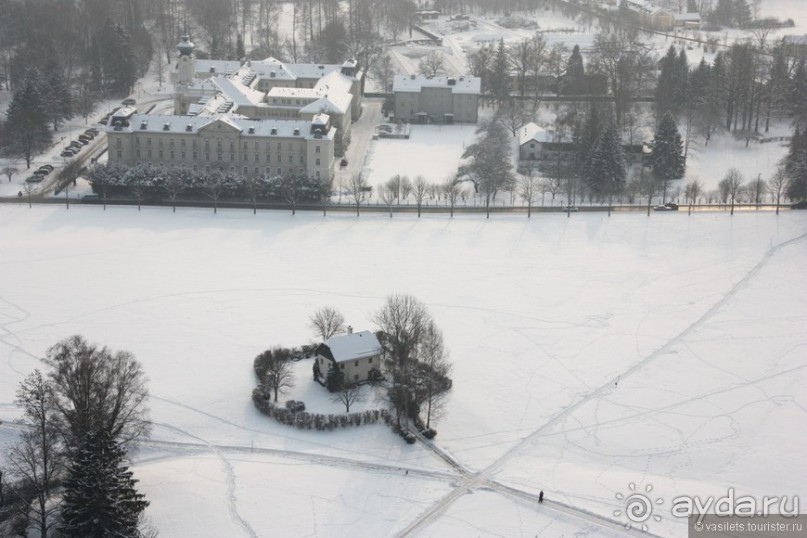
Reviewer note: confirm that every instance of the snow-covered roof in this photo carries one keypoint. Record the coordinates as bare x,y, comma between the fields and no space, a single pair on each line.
332,104
353,346
532,132
689,17
795,39
216,67
237,92
312,70
411,83
193,124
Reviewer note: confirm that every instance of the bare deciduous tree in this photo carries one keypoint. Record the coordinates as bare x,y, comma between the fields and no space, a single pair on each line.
692,190
732,182
8,171
97,389
388,193
279,376
777,185
37,459
327,322
528,186
451,190
420,188
349,395
357,191
432,64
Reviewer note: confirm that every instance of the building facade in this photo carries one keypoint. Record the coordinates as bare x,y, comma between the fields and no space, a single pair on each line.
224,142
422,99
354,354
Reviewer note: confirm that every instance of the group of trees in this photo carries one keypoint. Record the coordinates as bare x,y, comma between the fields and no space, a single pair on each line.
417,360
142,181
69,468
732,13
61,58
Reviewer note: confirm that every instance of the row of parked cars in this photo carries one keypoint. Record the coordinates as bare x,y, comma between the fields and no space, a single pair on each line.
40,173
76,145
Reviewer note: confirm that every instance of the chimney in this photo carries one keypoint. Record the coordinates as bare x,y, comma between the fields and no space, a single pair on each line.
349,329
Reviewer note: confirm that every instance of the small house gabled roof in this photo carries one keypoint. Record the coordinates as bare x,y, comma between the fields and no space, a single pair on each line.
348,347
531,132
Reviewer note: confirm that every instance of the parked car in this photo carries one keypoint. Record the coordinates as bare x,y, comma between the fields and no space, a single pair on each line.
570,208
84,137
48,167
799,205
42,172
128,102
34,179
92,130
89,134
669,206
295,406
90,198
75,144
69,152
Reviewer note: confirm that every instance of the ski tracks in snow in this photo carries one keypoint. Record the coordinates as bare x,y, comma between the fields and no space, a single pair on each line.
481,478
229,474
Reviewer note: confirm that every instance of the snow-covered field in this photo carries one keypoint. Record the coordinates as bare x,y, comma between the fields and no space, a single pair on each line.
588,353
433,151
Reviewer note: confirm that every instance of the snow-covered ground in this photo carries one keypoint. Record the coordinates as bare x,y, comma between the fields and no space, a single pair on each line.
589,352
433,151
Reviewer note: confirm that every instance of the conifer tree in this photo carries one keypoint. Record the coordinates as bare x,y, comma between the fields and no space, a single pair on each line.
798,95
27,122
500,74
796,166
667,159
100,499
606,177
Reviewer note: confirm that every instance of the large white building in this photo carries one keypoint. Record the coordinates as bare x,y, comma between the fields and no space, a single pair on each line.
269,89
440,99
224,141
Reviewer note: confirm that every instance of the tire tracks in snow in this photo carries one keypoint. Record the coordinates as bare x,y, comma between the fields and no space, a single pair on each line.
229,475
481,478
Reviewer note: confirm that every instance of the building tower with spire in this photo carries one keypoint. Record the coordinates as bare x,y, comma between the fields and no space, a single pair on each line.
185,69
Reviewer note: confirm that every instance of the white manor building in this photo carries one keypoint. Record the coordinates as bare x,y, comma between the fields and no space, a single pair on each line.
269,89
439,99
226,141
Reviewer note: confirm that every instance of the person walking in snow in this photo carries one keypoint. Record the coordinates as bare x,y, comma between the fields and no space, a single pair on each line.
541,496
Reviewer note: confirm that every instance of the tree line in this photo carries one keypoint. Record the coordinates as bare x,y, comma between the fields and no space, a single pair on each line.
68,473
147,182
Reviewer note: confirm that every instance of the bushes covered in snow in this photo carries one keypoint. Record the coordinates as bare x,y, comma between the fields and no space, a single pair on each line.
315,421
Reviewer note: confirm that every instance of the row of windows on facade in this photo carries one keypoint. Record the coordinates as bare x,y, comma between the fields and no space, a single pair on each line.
219,145
342,366
245,170
220,156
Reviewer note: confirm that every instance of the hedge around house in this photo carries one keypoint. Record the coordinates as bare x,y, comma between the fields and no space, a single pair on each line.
316,421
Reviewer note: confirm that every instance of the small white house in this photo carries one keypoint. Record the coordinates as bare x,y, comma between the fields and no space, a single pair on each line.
353,353
531,138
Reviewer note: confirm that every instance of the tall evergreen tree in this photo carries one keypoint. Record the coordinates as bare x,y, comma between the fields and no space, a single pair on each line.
56,96
796,166
585,137
27,122
100,499
574,80
798,95
606,177
665,94
667,159
500,74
